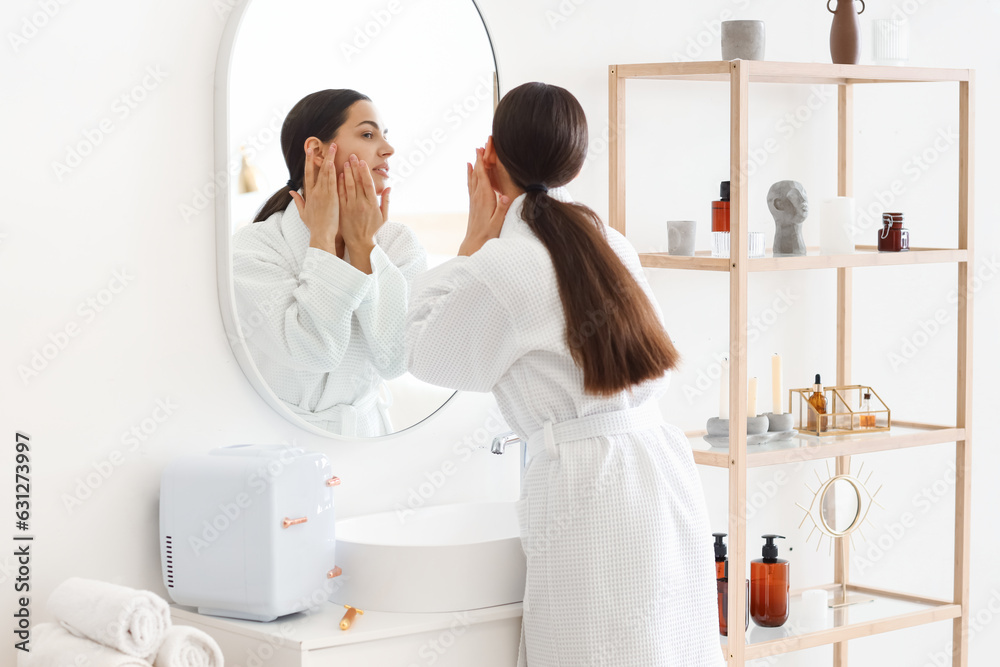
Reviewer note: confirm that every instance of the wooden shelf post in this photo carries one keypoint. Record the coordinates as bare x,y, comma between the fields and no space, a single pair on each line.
963,416
739,116
845,305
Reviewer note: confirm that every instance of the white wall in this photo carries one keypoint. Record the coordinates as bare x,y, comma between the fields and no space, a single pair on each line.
160,338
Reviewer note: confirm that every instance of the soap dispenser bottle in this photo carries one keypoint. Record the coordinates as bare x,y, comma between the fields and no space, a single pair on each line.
722,586
720,556
769,586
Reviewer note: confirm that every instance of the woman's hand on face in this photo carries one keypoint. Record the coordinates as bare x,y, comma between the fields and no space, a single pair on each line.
361,214
320,209
486,210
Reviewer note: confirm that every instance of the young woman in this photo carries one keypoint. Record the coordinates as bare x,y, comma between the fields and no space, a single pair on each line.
322,277
549,309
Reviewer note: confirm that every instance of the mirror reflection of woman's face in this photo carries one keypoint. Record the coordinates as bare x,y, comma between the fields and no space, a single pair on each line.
364,134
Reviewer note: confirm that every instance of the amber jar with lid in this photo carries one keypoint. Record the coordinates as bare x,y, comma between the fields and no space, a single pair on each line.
893,237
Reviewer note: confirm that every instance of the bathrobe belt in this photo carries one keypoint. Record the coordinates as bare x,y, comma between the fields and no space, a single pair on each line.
345,415
552,434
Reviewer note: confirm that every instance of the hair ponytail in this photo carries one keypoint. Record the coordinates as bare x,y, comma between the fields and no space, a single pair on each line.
319,115
613,333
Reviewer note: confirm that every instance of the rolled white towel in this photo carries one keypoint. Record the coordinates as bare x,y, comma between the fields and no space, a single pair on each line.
128,620
187,646
53,646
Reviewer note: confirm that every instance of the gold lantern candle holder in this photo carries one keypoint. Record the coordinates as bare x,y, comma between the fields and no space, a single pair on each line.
845,412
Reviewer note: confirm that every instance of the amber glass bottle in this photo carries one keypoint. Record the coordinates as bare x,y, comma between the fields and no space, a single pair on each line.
720,209
818,401
722,586
867,419
769,591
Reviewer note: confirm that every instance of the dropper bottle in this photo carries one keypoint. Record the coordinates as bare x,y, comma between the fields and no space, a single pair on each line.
818,401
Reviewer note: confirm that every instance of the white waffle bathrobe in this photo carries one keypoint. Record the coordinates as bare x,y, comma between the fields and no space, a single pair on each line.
619,550
322,333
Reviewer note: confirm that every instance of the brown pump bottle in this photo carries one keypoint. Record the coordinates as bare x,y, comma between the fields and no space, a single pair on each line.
722,586
769,587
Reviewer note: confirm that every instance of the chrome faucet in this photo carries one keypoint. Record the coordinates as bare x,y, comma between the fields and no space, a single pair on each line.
502,441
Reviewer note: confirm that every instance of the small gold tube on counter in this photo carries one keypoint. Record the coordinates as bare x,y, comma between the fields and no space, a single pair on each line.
349,615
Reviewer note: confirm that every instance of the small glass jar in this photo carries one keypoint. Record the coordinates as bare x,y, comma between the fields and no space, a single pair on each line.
893,237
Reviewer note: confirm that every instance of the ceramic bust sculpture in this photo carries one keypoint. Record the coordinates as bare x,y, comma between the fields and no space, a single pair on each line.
789,206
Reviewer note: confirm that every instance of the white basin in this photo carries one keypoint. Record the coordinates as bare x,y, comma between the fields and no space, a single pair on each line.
434,559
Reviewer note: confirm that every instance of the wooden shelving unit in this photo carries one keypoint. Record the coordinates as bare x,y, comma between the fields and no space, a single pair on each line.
891,610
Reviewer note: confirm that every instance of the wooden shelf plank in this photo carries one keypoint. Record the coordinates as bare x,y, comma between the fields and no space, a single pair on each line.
864,256
702,261
810,448
766,71
898,595
854,631
887,612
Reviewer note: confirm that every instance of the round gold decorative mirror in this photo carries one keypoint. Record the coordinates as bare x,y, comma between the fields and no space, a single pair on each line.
839,506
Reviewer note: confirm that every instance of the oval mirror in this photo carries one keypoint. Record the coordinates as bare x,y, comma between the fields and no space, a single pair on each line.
840,506
429,69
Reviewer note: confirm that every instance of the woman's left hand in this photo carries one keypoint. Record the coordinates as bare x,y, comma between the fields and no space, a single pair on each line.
486,210
361,214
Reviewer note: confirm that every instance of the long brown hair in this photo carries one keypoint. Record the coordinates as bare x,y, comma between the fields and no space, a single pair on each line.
613,333
319,115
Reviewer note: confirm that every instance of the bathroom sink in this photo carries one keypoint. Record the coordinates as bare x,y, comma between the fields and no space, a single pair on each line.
434,559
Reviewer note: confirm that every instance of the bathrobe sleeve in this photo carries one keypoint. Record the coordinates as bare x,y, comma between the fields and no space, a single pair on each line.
459,334
382,314
301,317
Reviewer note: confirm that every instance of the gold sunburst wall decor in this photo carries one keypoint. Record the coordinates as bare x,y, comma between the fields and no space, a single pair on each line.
839,506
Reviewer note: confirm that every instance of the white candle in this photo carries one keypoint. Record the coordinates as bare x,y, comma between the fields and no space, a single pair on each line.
776,385
752,398
724,391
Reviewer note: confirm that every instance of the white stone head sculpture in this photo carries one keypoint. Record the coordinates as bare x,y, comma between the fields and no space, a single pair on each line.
789,206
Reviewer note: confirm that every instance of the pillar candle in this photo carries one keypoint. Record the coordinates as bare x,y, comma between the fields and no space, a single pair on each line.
837,223
752,398
776,385
724,391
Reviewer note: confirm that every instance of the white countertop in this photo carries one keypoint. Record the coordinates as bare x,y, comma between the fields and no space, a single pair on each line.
309,630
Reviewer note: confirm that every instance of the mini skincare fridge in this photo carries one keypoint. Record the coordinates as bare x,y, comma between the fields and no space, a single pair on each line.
247,531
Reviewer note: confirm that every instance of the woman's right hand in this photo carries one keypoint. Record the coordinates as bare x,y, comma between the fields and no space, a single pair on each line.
487,208
320,209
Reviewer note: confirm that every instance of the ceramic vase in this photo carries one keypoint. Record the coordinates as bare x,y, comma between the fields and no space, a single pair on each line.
845,33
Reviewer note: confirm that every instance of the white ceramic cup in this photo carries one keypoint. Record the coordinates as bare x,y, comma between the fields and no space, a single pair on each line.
681,237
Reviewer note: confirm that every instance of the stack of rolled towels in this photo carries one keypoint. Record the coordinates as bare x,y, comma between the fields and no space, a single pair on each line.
100,624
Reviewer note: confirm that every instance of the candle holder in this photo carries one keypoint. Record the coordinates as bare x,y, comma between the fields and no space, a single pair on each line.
718,431
782,426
